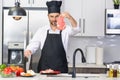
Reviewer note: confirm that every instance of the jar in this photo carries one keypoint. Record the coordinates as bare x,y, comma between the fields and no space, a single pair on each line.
110,72
118,74
115,68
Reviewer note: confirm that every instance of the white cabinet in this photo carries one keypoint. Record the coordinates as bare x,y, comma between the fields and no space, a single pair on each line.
25,3
109,4
90,15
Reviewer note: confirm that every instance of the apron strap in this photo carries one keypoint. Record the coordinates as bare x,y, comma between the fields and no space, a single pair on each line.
60,32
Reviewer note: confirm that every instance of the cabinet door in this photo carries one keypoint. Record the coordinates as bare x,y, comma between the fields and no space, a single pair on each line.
75,9
89,14
11,3
38,3
109,4
25,3
8,3
93,17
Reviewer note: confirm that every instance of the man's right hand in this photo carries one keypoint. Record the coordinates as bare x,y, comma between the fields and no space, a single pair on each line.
27,53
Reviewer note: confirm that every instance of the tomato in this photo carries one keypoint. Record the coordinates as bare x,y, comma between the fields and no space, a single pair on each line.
21,69
13,68
7,72
17,73
7,69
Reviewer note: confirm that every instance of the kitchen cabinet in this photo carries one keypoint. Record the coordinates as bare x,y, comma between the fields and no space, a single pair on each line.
90,15
88,68
109,4
25,3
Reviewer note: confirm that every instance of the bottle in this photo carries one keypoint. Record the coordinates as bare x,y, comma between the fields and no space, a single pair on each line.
115,67
118,74
110,72
107,70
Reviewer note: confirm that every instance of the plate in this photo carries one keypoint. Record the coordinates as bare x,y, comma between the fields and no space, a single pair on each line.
27,76
52,73
23,75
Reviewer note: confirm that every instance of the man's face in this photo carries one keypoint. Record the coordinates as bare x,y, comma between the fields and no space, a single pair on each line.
53,18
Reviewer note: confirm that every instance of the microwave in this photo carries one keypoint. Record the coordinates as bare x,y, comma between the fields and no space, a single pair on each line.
112,21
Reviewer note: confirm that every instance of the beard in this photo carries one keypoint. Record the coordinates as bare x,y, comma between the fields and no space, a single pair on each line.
54,23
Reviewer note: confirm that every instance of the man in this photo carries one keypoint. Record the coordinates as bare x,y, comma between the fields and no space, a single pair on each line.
52,41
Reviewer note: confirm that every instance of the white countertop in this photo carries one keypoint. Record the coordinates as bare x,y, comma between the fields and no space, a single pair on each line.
66,77
86,65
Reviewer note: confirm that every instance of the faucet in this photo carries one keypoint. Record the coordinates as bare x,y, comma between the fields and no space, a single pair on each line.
83,61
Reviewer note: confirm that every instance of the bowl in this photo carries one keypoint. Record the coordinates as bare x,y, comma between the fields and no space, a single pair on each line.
7,75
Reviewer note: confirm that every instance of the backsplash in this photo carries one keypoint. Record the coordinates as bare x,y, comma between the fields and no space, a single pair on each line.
110,43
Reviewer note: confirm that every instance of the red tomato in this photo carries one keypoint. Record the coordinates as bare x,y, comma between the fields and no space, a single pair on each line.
17,73
21,69
7,72
8,69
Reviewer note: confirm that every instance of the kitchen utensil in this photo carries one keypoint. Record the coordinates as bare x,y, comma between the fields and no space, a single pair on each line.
25,61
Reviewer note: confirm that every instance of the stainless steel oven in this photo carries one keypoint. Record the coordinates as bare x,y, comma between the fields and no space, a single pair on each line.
112,21
15,53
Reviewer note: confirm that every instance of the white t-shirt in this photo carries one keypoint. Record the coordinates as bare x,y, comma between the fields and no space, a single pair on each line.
40,37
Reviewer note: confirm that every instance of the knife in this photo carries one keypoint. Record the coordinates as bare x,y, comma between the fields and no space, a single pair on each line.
25,61
28,62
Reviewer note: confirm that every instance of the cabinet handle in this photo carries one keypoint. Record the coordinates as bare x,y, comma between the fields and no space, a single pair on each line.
83,25
33,1
17,0
28,1
79,22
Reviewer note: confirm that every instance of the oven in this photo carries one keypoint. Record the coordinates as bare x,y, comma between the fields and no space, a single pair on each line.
16,53
112,21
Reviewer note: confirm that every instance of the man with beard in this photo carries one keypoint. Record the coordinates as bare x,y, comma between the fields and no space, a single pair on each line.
53,41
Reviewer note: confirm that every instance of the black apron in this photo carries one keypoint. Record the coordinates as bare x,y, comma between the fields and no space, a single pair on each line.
53,55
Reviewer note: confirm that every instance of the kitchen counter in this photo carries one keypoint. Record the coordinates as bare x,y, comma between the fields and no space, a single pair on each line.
62,77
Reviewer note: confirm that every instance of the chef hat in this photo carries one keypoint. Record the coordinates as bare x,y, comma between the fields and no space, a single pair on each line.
53,6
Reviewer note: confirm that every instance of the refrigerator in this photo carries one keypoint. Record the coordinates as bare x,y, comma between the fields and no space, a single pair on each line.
18,33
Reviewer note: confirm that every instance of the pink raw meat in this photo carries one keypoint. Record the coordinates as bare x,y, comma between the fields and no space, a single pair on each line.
60,23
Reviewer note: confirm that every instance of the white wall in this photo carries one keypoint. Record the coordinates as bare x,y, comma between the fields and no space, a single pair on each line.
0,31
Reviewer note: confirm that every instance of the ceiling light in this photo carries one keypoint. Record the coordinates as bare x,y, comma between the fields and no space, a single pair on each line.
17,11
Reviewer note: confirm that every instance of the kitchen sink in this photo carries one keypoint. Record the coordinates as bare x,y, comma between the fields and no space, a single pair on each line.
77,75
